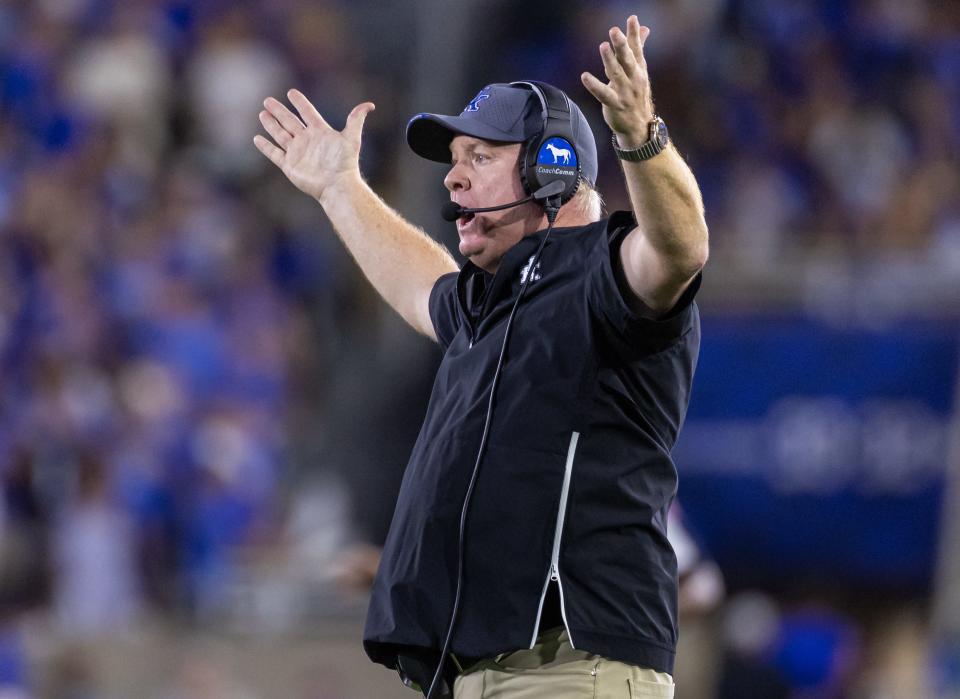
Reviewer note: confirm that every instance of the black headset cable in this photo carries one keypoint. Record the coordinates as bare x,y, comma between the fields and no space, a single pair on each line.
552,208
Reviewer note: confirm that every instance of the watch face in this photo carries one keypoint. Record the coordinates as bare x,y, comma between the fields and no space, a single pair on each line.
661,134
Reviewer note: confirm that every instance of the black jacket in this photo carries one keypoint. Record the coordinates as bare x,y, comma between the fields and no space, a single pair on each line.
577,476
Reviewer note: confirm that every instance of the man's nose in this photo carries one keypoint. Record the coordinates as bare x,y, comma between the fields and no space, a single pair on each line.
456,179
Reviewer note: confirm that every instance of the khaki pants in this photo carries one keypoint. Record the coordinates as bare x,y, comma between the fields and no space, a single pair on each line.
553,669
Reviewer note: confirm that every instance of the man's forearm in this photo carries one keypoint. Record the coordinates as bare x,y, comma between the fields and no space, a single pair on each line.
667,205
400,260
672,241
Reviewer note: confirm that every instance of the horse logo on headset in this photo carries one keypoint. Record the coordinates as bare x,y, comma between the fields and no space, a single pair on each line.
557,151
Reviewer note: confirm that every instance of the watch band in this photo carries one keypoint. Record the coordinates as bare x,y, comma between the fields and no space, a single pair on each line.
652,147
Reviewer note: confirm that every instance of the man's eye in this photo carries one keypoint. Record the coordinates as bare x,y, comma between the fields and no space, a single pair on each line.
480,158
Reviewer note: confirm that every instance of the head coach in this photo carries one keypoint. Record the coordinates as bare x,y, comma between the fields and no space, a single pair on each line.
528,549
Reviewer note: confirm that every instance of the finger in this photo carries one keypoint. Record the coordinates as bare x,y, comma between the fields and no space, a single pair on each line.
305,107
611,66
623,52
280,134
637,36
603,92
287,119
356,118
268,149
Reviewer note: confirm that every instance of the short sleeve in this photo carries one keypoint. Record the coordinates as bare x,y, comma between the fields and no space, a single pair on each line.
632,334
443,309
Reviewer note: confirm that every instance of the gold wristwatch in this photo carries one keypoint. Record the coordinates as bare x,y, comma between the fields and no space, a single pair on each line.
659,138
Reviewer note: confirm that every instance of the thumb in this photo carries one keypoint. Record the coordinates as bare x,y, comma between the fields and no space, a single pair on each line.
355,119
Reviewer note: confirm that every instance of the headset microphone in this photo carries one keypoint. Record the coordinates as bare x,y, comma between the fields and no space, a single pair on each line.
451,210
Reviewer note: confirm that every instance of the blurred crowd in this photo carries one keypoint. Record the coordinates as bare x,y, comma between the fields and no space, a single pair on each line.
176,320
150,313
830,127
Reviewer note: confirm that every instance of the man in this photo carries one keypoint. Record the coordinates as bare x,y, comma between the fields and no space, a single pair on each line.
568,583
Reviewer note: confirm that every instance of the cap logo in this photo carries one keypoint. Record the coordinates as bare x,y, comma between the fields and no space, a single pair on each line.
475,102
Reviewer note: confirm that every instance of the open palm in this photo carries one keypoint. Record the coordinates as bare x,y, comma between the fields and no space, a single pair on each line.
310,152
626,100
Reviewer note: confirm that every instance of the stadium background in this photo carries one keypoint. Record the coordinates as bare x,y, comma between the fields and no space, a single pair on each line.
205,412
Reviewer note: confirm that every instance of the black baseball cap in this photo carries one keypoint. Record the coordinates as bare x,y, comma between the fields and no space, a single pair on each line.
499,112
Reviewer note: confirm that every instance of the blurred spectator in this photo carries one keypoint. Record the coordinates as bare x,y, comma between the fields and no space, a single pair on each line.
13,664
818,651
701,582
122,76
228,76
751,628
24,569
72,675
204,676
95,587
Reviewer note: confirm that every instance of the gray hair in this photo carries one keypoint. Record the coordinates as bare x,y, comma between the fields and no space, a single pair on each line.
587,202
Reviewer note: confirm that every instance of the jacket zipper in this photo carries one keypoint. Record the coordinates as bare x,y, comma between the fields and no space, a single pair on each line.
554,574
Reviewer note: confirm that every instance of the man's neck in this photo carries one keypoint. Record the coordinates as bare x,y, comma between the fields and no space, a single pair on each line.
566,218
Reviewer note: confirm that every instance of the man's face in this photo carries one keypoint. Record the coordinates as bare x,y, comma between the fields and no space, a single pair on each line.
485,173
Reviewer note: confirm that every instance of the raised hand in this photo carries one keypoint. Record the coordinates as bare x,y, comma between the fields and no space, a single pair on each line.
626,99
311,153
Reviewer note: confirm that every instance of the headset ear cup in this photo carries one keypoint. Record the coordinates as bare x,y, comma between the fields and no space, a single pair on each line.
528,167
530,179
556,136
542,171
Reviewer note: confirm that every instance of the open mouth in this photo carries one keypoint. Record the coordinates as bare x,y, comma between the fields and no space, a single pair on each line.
464,220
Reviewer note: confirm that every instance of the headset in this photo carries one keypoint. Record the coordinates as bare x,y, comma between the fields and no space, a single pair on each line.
550,169
550,156
550,173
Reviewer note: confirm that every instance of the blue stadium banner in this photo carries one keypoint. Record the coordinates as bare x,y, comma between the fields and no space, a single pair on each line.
814,454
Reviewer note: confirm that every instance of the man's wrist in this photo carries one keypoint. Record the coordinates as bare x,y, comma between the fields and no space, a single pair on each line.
654,142
338,186
636,132
633,138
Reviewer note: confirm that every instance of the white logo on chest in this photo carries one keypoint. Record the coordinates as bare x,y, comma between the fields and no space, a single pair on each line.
526,271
